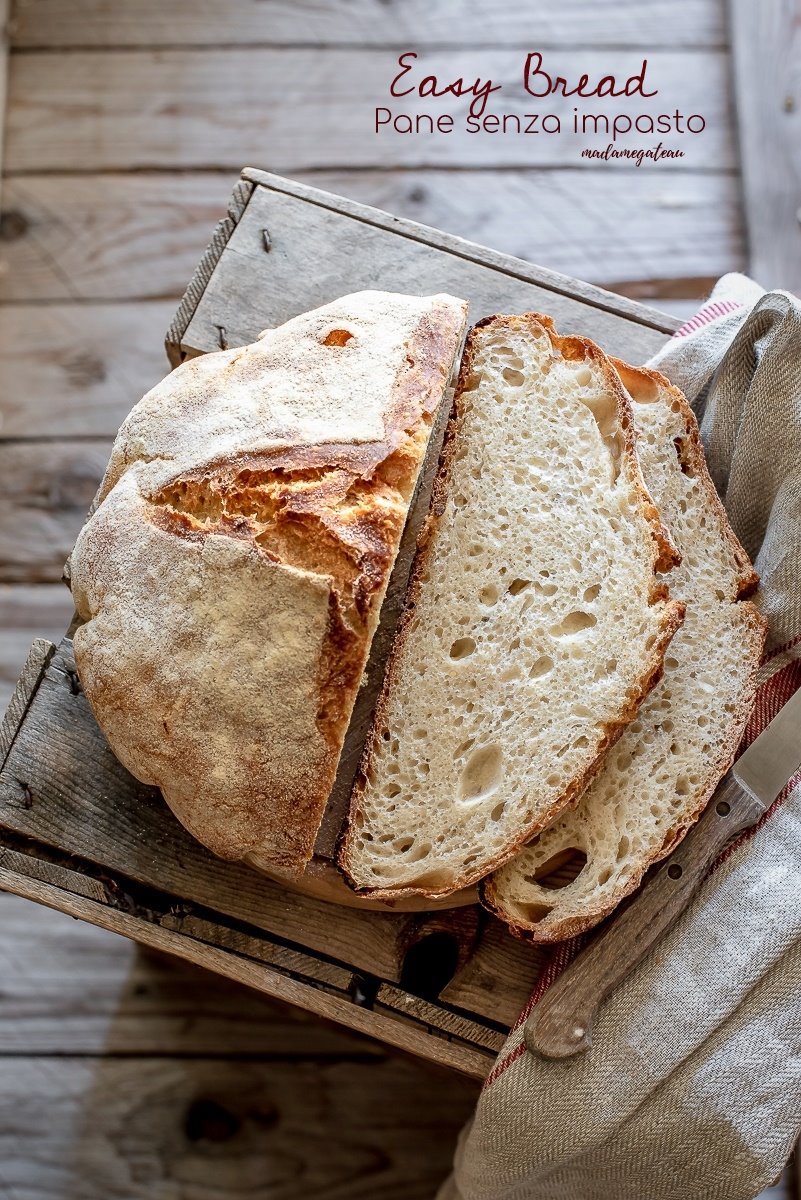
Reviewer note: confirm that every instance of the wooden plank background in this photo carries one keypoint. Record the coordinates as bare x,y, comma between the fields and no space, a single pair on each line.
126,127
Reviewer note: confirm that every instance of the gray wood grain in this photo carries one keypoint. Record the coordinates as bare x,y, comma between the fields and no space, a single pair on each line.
77,369
252,290
144,108
648,23
766,47
72,988
48,488
27,612
426,1042
138,236
77,1129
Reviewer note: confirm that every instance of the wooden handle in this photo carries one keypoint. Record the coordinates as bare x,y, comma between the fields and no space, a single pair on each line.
561,1023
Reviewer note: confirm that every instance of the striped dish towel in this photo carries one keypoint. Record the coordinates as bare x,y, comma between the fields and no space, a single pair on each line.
692,1088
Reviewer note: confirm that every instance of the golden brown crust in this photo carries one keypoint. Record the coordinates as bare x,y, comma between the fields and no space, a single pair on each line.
665,556
693,452
642,381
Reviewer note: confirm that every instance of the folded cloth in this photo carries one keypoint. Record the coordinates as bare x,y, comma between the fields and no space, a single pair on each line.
692,1087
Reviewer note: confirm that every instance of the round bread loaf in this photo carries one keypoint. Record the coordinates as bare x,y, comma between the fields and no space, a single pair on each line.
231,575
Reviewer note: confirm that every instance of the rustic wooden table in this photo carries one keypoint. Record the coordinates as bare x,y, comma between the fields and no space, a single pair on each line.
132,1075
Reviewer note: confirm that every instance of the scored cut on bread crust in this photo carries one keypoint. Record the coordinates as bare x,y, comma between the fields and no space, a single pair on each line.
462,792
231,575
659,777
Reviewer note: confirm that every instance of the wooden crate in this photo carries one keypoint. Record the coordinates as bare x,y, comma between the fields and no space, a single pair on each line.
79,834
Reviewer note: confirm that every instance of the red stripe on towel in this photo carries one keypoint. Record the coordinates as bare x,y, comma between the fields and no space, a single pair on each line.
707,314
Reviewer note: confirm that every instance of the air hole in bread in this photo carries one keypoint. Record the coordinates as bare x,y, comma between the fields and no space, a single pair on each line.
481,775
641,389
489,595
462,749
519,585
560,870
682,448
623,847
541,667
533,913
574,623
498,811
592,593
604,411
337,337
462,648
512,377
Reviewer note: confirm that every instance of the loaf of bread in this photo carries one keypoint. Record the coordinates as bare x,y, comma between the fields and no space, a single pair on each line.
231,576
659,776
535,622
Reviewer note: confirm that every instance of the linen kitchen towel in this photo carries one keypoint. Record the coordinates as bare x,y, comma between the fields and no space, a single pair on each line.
692,1087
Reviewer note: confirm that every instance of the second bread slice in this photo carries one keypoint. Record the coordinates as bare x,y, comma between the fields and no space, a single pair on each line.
660,775
535,623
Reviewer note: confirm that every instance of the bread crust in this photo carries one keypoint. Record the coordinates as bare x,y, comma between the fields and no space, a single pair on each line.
665,557
309,525
691,454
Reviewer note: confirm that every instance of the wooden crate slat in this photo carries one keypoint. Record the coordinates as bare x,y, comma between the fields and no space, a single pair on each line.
34,668
275,955
27,612
396,1001
405,1036
252,289
86,991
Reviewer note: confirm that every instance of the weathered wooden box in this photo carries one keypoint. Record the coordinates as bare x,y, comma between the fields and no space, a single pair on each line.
77,833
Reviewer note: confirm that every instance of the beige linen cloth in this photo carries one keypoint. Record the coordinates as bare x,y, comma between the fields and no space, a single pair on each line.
692,1087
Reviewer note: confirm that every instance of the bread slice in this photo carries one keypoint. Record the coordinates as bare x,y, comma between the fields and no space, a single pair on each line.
658,778
534,625
231,576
